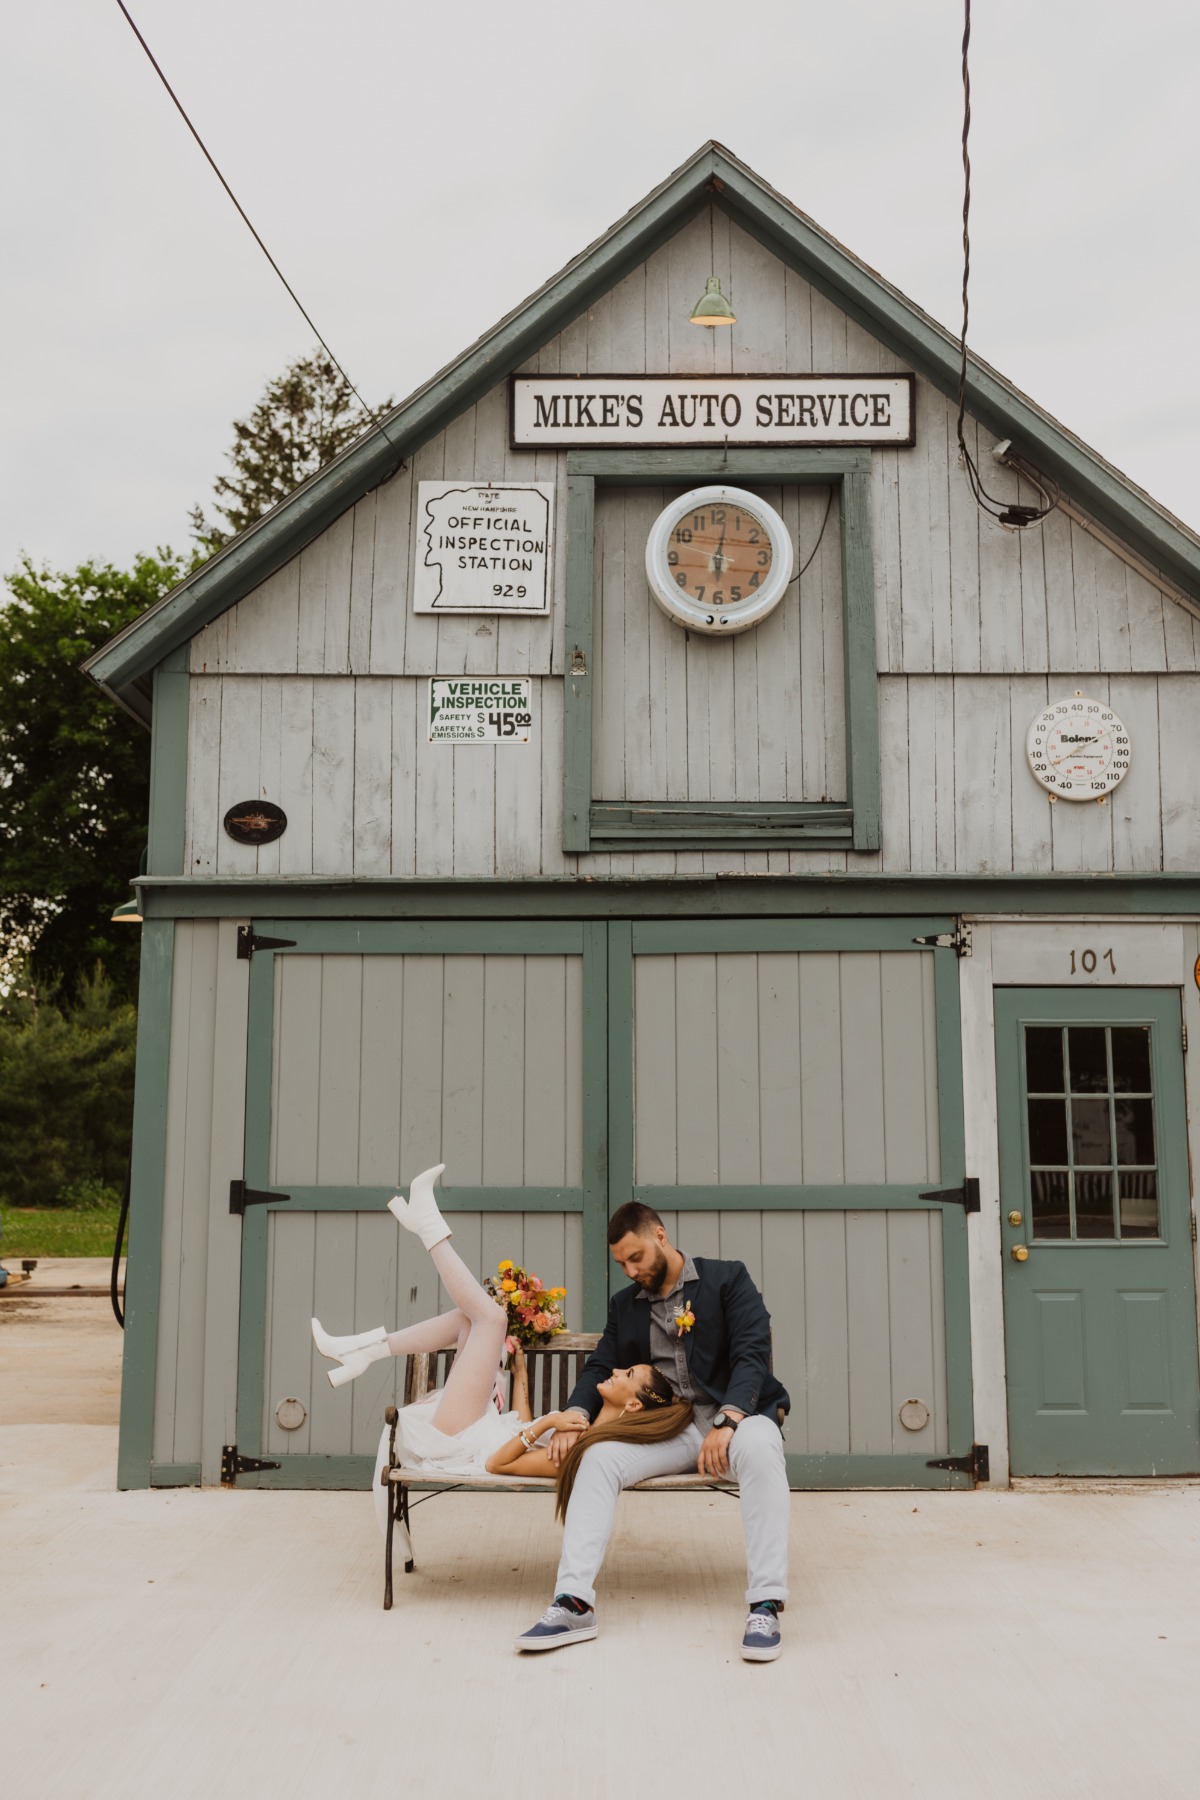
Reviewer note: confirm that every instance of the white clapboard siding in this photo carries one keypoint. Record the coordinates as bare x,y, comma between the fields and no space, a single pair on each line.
384,1065
957,593
366,793
723,1044
357,1270
958,794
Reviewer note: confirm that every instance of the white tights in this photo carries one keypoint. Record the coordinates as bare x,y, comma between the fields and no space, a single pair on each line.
475,1330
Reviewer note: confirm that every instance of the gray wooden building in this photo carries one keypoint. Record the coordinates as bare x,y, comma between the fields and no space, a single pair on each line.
790,930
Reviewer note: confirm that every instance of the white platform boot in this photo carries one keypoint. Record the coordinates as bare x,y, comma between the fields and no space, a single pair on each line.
419,1213
354,1353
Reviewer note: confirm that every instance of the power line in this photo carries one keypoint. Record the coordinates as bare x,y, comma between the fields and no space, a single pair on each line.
1007,512
303,310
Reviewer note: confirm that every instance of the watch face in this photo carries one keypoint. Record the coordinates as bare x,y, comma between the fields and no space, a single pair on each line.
719,560
1078,749
720,554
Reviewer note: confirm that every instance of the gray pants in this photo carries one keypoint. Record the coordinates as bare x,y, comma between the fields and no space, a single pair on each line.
756,1461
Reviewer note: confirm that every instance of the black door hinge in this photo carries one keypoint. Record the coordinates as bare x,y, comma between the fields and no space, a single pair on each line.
975,1464
958,940
966,1196
248,943
233,1465
240,1197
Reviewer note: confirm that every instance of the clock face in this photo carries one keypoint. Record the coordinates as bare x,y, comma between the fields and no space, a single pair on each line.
718,560
1078,749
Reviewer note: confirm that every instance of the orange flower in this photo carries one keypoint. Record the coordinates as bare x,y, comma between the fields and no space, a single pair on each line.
502,1268
508,1287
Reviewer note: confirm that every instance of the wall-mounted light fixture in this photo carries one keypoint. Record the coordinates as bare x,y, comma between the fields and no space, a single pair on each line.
129,912
712,308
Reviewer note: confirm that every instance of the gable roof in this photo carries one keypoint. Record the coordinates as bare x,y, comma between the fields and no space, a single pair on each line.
125,665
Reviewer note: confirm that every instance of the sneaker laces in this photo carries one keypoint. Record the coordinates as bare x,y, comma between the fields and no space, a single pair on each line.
762,1624
556,1614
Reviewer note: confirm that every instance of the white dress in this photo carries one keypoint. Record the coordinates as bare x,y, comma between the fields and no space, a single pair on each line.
421,1446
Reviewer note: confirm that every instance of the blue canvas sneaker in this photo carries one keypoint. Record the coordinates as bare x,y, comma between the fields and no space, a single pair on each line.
761,1641
568,1621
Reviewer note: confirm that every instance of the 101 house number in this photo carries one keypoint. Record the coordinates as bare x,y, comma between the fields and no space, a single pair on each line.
1086,962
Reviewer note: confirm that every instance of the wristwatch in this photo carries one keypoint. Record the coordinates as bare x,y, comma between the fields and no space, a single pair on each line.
724,1421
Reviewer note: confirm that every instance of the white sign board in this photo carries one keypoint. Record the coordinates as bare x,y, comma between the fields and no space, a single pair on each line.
480,709
1093,953
662,410
483,548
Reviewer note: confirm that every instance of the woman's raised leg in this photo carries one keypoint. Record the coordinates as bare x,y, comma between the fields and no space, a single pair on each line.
471,1382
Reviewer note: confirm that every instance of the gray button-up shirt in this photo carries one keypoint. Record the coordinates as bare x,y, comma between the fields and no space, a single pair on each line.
668,1349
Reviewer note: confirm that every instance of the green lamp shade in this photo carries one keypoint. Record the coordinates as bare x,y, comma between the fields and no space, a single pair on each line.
128,913
712,308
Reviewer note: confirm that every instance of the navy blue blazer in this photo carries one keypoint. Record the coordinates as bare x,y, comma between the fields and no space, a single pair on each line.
728,1349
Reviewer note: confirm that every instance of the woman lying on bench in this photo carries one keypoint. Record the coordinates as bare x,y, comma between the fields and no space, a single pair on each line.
457,1430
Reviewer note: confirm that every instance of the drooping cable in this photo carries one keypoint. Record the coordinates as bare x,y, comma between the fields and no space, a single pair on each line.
1007,512
824,522
303,310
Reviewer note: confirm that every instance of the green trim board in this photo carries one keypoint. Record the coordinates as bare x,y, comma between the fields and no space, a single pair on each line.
421,938
169,765
175,1475
701,937
596,1150
805,1473
712,175
846,1196
594,823
292,900
143,1278
310,1198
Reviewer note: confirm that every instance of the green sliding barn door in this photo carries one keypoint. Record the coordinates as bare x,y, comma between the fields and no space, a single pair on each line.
788,1094
1099,1297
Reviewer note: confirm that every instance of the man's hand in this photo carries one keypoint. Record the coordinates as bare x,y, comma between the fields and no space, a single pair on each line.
563,1440
714,1451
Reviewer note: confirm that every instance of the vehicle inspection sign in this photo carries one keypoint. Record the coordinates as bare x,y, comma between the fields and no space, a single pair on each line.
483,709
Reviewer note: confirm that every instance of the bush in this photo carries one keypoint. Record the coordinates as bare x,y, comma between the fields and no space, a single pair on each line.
66,1094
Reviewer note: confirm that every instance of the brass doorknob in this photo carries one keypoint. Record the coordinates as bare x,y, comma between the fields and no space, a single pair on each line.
1019,1253
1015,1218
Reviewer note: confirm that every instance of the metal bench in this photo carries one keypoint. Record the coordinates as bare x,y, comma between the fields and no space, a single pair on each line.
554,1369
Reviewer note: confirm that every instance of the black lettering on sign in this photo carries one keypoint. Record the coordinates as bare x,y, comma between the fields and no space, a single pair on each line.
762,410
544,414
807,410
610,408
881,413
783,409
827,402
668,415
633,408
731,411
583,409
859,400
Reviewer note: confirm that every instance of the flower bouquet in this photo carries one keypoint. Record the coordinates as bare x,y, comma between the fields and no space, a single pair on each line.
534,1310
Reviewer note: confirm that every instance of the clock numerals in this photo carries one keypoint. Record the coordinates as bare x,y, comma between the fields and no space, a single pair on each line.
718,560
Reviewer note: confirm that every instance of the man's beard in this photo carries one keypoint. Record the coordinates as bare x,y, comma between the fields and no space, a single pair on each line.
652,1278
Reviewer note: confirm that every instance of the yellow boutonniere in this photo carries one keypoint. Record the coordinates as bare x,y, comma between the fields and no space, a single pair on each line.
685,1319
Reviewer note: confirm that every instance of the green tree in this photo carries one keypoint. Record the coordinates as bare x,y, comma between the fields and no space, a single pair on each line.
305,417
74,770
66,1074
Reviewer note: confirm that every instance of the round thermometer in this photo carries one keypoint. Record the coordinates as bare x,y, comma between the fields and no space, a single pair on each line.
718,560
1078,749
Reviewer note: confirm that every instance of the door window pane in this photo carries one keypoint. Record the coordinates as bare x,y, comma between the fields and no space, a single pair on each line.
1087,1051
1091,1141
1135,1131
1047,1131
1050,1203
1044,1059
1094,1205
1131,1059
1092,1152
1139,1203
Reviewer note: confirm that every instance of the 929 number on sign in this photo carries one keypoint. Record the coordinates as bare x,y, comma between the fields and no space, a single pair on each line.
507,724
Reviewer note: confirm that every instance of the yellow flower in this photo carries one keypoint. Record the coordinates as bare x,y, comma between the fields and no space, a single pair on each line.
508,1287
502,1268
685,1320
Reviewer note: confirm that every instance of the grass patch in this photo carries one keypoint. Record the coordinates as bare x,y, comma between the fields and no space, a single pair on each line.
58,1231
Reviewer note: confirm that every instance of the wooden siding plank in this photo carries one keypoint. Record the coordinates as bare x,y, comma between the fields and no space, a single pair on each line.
821,1068
895,800
504,1078
1031,809
862,1059
779,1036
297,1070
473,827
784,1287
1137,814
362,586
983,776
338,1098
739,1148
906,1029
226,1160
333,777
826,1394
656,1080
296,761
913,1299
1179,723
406,722
204,774
422,1061
287,1369
176,1165
463,1067
371,842
868,1354
696,1068
334,1296
391,572
380,1298
380,1071
742,1241
963,521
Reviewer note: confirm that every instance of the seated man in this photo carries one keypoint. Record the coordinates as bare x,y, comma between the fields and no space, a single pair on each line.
703,1325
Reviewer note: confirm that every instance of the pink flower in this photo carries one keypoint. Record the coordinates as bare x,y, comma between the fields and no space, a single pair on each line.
535,1282
543,1322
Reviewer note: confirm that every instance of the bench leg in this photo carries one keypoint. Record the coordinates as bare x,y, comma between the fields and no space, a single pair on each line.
387,1549
407,1534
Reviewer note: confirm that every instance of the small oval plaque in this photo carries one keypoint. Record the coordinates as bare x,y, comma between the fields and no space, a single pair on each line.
290,1414
914,1415
255,822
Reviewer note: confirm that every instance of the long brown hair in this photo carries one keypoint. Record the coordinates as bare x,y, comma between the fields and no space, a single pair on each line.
663,1416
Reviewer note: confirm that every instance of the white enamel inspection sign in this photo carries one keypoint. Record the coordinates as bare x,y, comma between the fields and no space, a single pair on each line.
483,548
480,709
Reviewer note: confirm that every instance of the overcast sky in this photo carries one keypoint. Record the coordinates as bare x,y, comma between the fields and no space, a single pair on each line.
140,318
